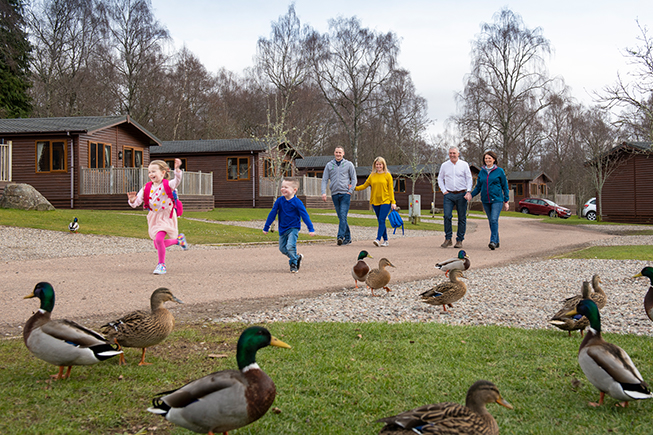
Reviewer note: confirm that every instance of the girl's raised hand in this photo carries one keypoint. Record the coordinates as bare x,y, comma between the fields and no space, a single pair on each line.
131,196
177,164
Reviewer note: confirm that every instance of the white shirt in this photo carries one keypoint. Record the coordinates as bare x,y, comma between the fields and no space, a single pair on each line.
453,178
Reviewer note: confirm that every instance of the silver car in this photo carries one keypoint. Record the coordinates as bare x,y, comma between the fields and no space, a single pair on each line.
589,210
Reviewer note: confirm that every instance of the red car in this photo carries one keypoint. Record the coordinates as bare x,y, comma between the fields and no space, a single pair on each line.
543,206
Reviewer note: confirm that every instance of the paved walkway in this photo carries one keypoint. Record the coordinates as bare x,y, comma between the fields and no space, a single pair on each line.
99,287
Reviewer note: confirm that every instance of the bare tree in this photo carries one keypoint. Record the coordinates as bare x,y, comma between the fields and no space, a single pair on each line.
68,37
598,137
636,96
509,80
137,39
349,63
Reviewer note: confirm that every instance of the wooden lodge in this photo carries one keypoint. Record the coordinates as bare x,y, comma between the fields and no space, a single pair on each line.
87,162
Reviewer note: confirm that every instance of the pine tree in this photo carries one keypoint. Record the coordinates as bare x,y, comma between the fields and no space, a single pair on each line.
14,61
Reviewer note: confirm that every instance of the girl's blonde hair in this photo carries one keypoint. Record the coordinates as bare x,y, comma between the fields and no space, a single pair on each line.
385,165
163,166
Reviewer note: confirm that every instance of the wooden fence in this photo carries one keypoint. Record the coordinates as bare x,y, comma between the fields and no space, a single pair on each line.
109,181
308,186
5,161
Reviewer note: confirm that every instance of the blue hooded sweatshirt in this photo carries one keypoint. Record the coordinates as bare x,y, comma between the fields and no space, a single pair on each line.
492,184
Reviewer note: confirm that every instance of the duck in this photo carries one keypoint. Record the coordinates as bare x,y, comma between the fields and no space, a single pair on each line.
73,227
143,329
461,262
361,268
607,366
62,342
446,293
572,323
648,298
450,417
379,278
224,400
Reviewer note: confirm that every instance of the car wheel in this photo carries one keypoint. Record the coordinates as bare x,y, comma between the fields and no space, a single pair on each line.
552,214
591,215
524,210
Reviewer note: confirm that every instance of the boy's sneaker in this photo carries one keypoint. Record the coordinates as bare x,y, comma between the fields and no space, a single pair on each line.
293,268
340,242
376,243
385,243
346,242
300,257
181,241
160,269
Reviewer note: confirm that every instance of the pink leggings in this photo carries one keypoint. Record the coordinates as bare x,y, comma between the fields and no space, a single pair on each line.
160,243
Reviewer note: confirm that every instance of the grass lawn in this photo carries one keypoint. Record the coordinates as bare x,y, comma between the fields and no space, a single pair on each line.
337,379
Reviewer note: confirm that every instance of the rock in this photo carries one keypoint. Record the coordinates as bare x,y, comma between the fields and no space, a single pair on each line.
24,197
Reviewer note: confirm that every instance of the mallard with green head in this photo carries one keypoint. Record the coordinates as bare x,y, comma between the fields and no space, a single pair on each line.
607,366
572,323
446,293
379,278
225,400
449,417
361,268
648,298
461,262
143,329
62,342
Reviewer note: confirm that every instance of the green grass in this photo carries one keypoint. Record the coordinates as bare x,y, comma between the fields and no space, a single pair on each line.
629,252
134,224
337,379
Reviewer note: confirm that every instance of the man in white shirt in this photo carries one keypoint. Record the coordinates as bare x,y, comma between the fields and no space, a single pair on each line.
455,181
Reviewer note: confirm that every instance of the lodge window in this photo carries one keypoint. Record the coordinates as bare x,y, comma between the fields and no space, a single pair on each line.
316,174
400,185
518,188
99,155
237,168
132,157
269,169
50,156
171,163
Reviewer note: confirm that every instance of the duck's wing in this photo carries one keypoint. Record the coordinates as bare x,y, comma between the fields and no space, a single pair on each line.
72,332
203,387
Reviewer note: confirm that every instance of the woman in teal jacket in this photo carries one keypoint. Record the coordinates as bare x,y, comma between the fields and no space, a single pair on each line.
493,188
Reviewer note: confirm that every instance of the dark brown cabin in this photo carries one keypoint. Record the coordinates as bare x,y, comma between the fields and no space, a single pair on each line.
238,166
627,194
526,184
50,153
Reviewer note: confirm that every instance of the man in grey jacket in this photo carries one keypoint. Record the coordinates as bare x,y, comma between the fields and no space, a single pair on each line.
342,175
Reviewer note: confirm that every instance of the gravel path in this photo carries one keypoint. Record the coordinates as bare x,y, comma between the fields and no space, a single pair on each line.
520,294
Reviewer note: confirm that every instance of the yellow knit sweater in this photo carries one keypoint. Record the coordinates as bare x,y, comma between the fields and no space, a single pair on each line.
383,191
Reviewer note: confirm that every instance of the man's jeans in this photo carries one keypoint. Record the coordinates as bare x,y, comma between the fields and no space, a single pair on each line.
457,201
341,202
493,210
288,245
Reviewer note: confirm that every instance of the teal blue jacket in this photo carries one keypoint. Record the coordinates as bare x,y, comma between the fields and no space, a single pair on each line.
492,185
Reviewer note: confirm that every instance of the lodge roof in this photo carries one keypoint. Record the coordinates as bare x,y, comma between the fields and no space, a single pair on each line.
73,124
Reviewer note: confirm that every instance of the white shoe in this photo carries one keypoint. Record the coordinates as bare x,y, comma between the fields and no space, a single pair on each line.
376,243
160,269
385,243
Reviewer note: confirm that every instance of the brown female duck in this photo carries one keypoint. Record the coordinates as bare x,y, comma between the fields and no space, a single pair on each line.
141,328
449,417
379,278
446,293
577,322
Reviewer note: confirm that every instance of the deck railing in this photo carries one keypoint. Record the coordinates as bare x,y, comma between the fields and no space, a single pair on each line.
109,181
5,161
308,186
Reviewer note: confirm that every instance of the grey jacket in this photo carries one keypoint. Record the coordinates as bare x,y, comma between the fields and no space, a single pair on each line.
343,177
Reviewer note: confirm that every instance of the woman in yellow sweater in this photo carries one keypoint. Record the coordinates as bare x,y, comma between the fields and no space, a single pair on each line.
382,197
